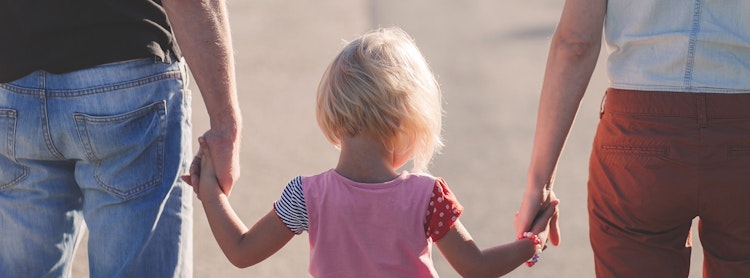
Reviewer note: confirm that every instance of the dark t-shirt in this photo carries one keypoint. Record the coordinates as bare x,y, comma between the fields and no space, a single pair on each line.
65,35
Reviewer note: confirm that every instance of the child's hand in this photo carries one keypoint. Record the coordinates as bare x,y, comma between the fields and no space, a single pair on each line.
203,174
541,224
192,178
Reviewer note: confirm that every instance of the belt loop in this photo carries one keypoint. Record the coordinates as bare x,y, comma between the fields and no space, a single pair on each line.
701,110
167,59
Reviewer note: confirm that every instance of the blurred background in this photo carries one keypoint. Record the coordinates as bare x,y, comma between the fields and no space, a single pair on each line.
489,57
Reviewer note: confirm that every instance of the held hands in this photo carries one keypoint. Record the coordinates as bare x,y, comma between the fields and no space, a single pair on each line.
541,225
203,177
539,231
539,214
225,156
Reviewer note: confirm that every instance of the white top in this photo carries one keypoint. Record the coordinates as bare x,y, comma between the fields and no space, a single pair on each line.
679,45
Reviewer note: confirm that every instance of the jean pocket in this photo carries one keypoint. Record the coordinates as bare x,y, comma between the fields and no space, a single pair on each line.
12,173
126,151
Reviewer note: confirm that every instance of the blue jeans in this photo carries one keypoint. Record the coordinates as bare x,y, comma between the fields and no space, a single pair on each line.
104,146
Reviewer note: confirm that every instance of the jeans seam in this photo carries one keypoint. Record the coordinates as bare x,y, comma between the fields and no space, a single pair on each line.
10,147
116,87
46,133
131,193
9,142
95,90
83,135
159,108
690,59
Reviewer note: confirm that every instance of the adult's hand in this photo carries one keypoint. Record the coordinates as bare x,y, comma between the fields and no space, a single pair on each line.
225,154
201,28
535,202
543,225
226,150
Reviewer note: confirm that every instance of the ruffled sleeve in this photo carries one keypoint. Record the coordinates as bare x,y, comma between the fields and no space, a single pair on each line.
442,212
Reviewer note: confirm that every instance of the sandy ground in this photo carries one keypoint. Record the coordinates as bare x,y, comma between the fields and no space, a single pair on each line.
489,57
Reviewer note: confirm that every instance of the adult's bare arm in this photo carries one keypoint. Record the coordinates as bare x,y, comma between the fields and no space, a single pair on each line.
572,57
203,34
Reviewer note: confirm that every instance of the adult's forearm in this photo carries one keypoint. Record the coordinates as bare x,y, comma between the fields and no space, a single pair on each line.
572,57
203,34
570,65
202,31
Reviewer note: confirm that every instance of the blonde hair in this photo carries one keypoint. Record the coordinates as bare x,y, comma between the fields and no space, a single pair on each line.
381,86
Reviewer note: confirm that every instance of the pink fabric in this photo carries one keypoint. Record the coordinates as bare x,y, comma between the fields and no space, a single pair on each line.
368,230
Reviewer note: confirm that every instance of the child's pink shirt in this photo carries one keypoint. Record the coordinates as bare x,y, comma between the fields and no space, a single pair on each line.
346,242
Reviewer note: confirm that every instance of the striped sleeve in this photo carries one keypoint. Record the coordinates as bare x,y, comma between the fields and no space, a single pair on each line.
291,207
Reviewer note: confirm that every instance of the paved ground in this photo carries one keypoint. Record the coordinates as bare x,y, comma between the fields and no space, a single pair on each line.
489,57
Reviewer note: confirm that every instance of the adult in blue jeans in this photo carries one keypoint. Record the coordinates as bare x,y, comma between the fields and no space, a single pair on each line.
95,129
673,142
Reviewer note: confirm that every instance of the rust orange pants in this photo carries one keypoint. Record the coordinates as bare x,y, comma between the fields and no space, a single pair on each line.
659,160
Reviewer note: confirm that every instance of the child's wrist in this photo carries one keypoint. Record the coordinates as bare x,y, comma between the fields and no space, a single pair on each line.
537,247
218,199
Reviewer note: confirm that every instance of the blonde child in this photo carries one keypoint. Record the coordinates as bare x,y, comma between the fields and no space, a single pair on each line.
380,104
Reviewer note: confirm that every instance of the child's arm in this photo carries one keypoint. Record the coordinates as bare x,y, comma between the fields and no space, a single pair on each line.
468,260
241,246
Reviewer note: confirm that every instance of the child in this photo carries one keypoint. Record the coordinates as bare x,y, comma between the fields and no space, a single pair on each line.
380,104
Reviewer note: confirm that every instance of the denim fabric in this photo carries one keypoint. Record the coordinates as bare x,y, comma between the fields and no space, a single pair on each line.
679,45
104,146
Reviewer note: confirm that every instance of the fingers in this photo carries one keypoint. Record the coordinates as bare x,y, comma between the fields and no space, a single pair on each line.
543,219
554,231
192,178
524,219
225,156
203,146
186,179
207,165
194,173
530,205
202,162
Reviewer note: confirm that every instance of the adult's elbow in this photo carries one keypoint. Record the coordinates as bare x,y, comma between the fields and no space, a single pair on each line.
576,46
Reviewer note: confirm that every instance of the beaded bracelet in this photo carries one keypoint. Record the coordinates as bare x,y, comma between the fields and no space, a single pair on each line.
537,247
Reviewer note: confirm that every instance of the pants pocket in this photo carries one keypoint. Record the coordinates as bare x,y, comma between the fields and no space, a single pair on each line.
11,172
739,150
125,151
636,150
